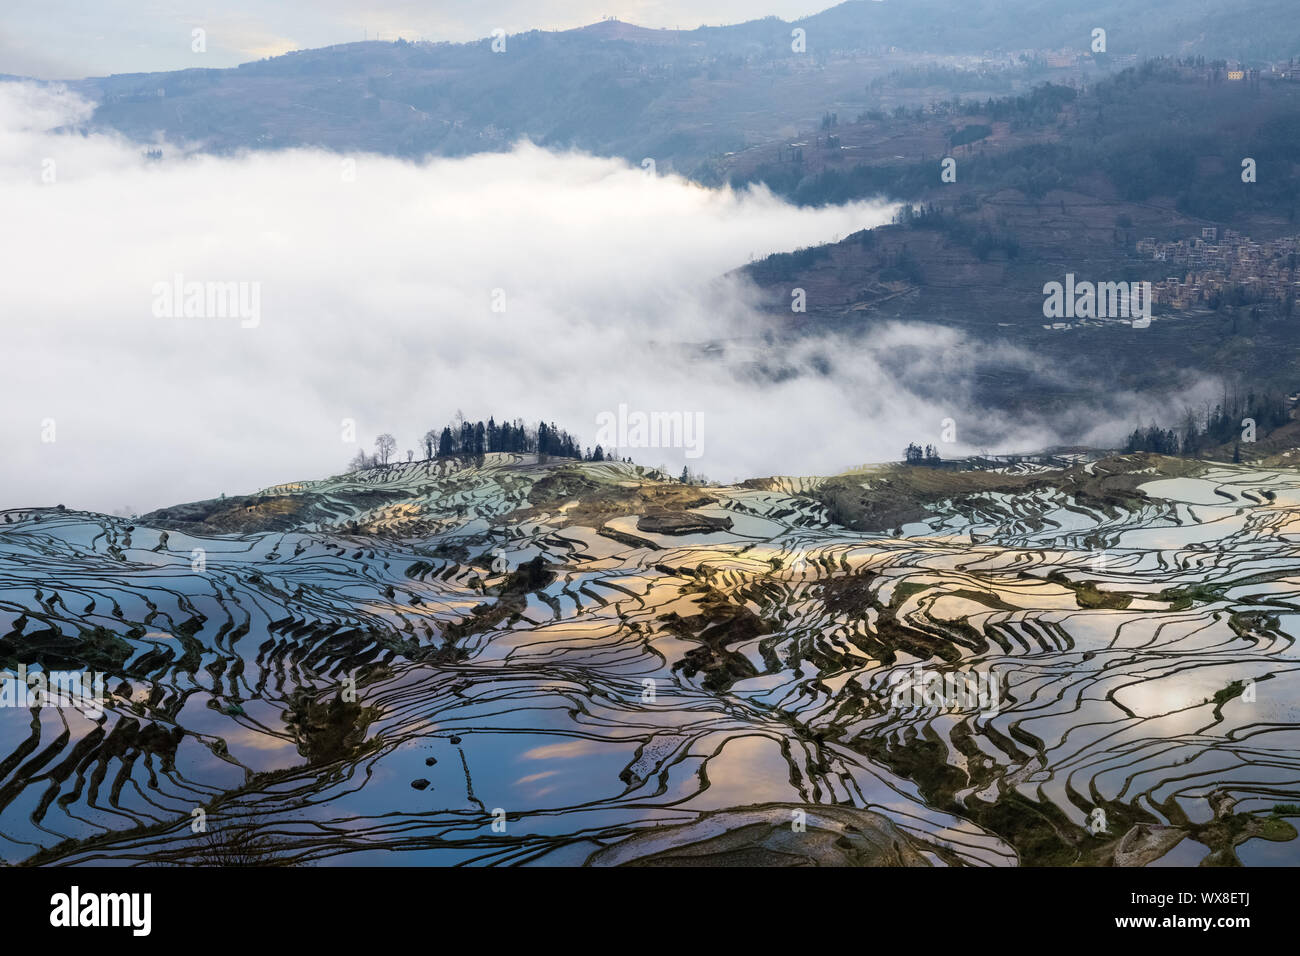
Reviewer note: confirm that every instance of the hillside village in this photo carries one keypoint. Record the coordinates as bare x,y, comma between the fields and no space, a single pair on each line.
1233,268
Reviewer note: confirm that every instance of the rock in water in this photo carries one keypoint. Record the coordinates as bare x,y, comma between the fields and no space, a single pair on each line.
681,522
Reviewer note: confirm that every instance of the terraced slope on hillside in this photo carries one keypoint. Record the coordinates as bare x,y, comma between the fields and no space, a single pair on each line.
514,662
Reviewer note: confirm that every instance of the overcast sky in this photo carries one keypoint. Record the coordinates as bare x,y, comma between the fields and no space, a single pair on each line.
67,39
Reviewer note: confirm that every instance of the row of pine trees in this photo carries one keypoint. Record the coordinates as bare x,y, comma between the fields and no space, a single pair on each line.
475,439
465,439
1216,427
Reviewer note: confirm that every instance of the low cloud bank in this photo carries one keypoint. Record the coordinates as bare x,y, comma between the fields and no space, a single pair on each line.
180,327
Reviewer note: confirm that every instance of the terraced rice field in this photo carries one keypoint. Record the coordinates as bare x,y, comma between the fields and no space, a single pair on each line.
438,663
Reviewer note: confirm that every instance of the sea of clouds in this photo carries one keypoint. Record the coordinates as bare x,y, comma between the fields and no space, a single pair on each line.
376,281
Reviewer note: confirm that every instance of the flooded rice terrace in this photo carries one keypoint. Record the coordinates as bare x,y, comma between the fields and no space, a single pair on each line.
437,663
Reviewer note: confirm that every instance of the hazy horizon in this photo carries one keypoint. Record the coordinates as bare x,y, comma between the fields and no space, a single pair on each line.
63,40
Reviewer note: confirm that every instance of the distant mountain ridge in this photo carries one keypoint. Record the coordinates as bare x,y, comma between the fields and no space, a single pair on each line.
615,88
